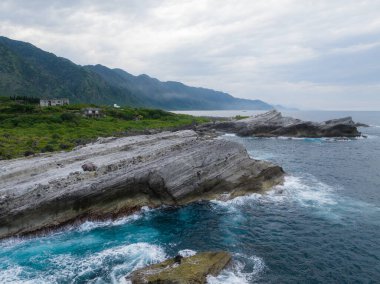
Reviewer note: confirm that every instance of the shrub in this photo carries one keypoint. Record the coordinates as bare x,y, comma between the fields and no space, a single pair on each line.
21,108
239,117
81,141
64,146
68,116
55,136
28,153
47,148
5,156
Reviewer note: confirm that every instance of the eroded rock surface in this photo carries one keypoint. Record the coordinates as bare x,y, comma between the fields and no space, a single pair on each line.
189,270
171,168
272,123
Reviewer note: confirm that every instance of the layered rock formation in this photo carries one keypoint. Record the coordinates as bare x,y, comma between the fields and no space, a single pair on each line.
272,123
187,270
121,175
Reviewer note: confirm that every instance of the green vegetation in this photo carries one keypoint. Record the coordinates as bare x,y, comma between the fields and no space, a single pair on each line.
240,117
26,129
25,99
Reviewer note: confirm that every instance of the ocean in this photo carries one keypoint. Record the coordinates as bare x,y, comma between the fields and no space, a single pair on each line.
321,226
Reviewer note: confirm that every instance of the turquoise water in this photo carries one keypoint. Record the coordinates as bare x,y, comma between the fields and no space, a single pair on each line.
321,226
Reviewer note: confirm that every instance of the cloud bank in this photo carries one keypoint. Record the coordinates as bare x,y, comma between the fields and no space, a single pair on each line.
308,54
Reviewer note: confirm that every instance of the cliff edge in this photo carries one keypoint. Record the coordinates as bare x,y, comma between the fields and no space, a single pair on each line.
115,176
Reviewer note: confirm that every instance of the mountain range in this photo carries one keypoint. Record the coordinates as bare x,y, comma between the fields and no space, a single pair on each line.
26,70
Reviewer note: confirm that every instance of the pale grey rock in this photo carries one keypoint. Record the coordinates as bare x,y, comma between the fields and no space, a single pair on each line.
170,168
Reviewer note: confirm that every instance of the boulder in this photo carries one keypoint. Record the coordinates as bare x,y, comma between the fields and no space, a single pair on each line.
189,270
89,167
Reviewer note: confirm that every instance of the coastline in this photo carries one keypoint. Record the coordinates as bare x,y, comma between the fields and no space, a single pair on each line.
313,198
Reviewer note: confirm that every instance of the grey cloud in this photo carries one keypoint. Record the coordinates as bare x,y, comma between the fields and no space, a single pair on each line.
351,68
293,52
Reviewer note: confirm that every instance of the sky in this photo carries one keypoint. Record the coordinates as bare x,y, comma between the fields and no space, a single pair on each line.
309,54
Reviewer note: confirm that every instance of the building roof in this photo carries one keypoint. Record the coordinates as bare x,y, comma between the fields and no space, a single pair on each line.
55,99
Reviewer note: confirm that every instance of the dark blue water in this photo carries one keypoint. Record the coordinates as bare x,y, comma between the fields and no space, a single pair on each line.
321,226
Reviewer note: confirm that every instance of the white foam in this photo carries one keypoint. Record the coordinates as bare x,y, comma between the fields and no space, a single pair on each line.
306,192
13,274
260,155
146,209
10,275
115,262
233,205
236,274
229,135
90,225
285,138
295,189
129,257
368,136
309,192
288,138
343,139
324,139
11,242
187,252
317,140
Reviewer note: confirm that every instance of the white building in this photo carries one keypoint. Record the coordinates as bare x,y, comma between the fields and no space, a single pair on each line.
92,112
54,102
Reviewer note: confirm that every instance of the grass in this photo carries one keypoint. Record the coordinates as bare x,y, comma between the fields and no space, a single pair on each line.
27,129
240,117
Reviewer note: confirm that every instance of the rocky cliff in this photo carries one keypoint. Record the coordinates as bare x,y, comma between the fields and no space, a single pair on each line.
117,176
272,123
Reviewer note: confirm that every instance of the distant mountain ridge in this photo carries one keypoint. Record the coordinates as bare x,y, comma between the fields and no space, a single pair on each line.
26,70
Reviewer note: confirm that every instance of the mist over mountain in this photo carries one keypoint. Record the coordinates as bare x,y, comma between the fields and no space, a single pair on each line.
26,70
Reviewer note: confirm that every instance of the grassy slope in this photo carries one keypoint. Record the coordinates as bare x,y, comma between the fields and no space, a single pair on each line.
26,129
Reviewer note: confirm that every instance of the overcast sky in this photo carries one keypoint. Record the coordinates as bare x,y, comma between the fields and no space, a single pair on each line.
321,54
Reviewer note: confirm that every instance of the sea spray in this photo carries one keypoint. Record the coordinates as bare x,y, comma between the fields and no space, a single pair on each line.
238,273
109,265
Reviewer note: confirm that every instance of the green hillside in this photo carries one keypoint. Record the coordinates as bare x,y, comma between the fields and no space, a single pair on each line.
26,70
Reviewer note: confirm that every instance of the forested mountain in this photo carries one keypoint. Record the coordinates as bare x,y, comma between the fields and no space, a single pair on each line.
26,70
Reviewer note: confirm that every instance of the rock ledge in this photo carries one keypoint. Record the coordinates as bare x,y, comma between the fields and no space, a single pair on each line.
169,168
193,269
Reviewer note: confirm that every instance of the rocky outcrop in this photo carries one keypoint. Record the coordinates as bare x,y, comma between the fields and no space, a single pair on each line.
172,168
272,124
187,270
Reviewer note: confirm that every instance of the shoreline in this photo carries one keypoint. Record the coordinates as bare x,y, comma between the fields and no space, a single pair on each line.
115,177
